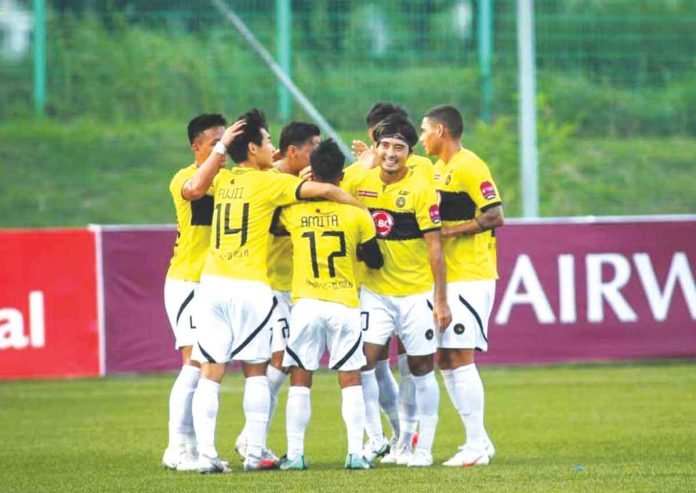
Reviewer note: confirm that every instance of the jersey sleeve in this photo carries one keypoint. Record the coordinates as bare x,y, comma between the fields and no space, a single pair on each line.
176,185
283,189
479,184
352,176
427,209
366,226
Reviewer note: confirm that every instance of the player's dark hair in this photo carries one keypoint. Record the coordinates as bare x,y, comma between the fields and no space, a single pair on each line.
382,110
327,161
297,134
450,117
201,123
255,121
399,127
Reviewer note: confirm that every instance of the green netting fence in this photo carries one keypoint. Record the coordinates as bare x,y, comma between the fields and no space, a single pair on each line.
620,67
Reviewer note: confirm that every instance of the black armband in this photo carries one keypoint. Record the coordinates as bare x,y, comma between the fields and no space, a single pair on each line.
370,253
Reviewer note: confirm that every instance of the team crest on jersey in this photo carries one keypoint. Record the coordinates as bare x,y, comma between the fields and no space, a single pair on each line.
487,190
384,222
434,213
448,179
367,193
400,202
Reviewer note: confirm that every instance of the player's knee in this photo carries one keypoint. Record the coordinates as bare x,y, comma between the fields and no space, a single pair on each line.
421,365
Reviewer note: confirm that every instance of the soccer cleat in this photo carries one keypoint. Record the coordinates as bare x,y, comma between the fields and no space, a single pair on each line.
390,458
468,457
240,446
374,450
208,465
267,454
252,463
297,464
356,462
421,458
173,458
400,454
490,449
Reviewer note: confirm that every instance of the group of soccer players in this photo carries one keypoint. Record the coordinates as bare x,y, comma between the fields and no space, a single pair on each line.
287,254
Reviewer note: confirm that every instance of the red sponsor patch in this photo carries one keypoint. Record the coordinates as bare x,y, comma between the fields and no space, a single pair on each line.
367,193
384,222
487,190
435,213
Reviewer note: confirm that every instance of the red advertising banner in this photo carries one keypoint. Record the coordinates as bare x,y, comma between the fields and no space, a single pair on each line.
594,290
48,304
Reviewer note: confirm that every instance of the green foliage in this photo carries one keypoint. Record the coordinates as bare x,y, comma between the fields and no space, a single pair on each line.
571,429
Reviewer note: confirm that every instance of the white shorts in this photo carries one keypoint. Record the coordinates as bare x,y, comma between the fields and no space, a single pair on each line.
471,303
178,303
281,321
411,317
317,325
234,320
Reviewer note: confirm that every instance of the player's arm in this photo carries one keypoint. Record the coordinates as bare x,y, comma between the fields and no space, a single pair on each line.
327,191
490,218
370,253
198,185
441,310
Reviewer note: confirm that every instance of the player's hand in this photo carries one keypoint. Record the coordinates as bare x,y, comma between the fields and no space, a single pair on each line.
442,315
359,147
232,132
306,173
277,156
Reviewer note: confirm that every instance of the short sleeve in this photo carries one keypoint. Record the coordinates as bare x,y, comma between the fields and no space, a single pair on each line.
479,184
352,176
427,209
366,225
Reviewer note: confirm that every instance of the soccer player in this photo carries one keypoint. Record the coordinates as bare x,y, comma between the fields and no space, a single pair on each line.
297,140
236,304
397,401
327,239
470,209
399,297
193,220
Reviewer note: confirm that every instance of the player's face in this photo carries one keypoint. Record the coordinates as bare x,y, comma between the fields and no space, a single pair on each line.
203,144
392,154
264,152
430,136
301,154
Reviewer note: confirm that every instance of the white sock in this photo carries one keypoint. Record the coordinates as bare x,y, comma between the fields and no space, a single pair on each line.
205,409
373,420
353,411
257,400
448,377
275,382
180,398
388,394
408,415
428,402
297,414
469,394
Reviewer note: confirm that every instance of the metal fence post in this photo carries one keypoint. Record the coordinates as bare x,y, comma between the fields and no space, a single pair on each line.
39,57
284,53
485,52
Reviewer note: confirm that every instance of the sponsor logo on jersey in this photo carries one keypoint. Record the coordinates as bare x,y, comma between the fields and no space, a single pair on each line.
487,190
434,213
384,222
367,193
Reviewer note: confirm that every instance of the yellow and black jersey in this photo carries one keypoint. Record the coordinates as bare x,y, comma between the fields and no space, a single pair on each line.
325,237
193,220
245,200
279,256
402,212
355,173
466,189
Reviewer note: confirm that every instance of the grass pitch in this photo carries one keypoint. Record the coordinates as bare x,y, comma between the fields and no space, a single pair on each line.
577,428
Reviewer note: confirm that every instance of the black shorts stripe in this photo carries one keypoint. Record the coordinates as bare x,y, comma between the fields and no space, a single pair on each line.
343,360
205,353
184,305
256,330
456,206
294,356
405,225
202,211
490,206
476,316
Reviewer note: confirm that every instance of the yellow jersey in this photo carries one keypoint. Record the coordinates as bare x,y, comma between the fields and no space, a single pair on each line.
402,212
245,199
353,174
467,189
193,220
325,237
279,256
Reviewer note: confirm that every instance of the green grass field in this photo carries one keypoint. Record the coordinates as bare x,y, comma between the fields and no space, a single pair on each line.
605,428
